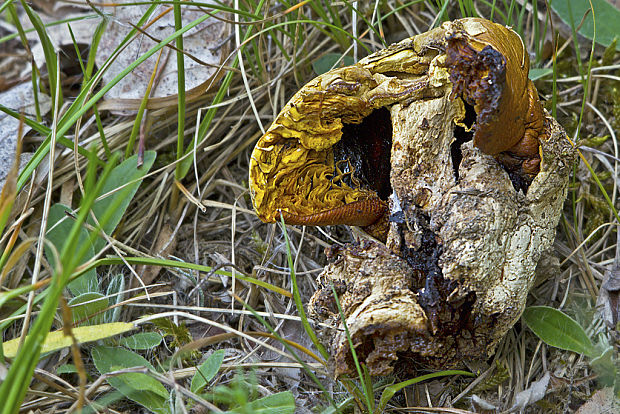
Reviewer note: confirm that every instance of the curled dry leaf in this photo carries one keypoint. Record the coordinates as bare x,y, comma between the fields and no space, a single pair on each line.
602,401
439,145
205,43
19,98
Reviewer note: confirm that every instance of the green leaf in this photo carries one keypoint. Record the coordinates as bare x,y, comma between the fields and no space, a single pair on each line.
328,60
557,329
87,309
57,340
207,371
389,392
66,369
607,18
115,286
604,366
58,226
141,388
537,73
110,358
142,340
122,174
103,401
280,403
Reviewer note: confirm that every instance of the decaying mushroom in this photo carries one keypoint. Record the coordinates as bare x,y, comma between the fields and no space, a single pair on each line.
439,147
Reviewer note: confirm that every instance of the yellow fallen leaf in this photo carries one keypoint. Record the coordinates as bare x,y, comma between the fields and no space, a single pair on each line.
57,340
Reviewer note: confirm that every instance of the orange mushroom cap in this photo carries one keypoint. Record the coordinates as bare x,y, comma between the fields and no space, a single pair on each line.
489,68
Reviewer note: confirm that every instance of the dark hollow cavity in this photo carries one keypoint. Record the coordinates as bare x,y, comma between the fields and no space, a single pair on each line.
451,320
461,136
367,147
518,180
433,289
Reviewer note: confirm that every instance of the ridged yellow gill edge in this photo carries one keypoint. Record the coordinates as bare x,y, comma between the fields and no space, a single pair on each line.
57,340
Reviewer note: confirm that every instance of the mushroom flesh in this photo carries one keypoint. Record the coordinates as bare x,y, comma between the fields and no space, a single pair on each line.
439,147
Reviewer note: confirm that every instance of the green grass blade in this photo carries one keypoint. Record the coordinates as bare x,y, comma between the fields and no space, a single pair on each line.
178,24
46,25
364,377
184,166
389,392
49,53
290,349
181,265
297,297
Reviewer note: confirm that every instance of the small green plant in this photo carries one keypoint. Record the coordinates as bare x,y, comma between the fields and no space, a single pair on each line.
241,397
137,386
135,378
559,330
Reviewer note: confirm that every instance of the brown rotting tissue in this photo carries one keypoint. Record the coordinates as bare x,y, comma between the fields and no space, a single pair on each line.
439,147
